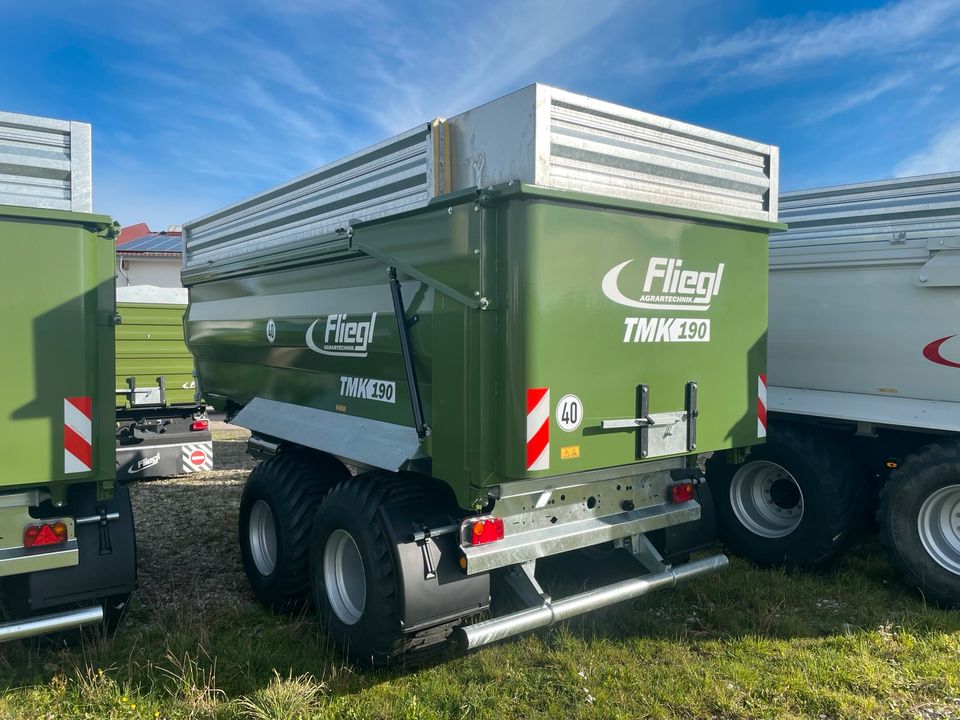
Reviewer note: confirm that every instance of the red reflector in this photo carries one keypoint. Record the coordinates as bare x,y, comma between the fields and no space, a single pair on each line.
46,534
681,492
487,530
200,425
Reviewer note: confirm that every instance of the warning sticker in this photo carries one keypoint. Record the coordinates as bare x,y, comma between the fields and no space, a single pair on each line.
570,452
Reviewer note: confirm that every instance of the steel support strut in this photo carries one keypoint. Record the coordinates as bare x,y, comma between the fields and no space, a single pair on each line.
403,328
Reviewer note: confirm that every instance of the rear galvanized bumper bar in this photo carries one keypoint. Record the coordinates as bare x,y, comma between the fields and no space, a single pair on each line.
552,540
553,611
55,622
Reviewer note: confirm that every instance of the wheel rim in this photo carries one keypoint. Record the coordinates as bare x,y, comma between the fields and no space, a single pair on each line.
766,499
263,538
939,526
343,577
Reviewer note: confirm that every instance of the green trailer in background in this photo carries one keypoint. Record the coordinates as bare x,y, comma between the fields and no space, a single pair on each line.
522,324
162,427
67,553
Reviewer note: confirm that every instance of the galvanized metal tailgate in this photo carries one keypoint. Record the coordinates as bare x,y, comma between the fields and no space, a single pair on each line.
883,222
390,177
45,163
552,138
538,135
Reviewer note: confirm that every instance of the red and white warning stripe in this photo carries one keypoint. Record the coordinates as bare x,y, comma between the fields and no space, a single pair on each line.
762,406
196,457
77,435
538,428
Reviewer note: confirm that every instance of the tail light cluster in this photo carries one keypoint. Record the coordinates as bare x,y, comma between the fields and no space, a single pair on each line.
481,530
486,530
200,424
681,492
49,533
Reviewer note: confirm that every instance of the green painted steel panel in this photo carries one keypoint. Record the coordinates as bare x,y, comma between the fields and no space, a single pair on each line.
150,344
512,292
57,276
563,333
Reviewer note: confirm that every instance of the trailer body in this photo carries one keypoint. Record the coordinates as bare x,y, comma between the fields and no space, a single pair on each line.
66,527
162,427
539,304
864,353
864,294
546,320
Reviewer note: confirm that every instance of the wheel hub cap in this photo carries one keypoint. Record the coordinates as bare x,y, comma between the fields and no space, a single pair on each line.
939,526
766,499
263,538
343,577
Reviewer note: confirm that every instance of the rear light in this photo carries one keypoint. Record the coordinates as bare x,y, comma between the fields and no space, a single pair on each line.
45,534
681,492
486,530
198,425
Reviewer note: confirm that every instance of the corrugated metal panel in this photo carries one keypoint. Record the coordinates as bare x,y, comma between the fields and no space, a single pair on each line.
391,177
607,149
538,135
887,221
45,163
552,138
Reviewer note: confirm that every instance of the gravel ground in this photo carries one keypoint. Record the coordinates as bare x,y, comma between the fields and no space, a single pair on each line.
187,532
187,545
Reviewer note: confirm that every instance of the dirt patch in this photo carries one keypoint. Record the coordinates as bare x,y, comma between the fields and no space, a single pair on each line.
187,534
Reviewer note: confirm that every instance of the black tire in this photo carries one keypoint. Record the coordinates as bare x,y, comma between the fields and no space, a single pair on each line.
812,534
934,468
375,637
291,486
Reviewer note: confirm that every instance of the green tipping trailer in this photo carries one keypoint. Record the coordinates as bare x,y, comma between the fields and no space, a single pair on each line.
162,427
492,339
67,555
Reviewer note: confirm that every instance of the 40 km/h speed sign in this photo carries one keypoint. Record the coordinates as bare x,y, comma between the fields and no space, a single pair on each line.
569,413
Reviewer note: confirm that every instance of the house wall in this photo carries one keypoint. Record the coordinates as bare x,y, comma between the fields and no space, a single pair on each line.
157,271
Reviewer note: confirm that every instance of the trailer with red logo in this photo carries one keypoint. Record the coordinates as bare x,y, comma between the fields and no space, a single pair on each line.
67,555
489,340
863,401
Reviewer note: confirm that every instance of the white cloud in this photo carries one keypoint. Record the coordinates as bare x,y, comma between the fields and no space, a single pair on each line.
844,103
769,50
444,69
942,154
275,66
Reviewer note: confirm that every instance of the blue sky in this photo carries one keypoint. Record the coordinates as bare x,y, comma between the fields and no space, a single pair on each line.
197,104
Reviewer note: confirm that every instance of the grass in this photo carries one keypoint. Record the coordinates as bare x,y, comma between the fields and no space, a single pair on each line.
745,643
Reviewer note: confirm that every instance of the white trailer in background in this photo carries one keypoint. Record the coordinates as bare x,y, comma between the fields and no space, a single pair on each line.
864,385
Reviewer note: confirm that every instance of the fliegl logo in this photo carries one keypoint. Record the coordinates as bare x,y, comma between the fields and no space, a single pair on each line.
342,335
934,351
667,285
